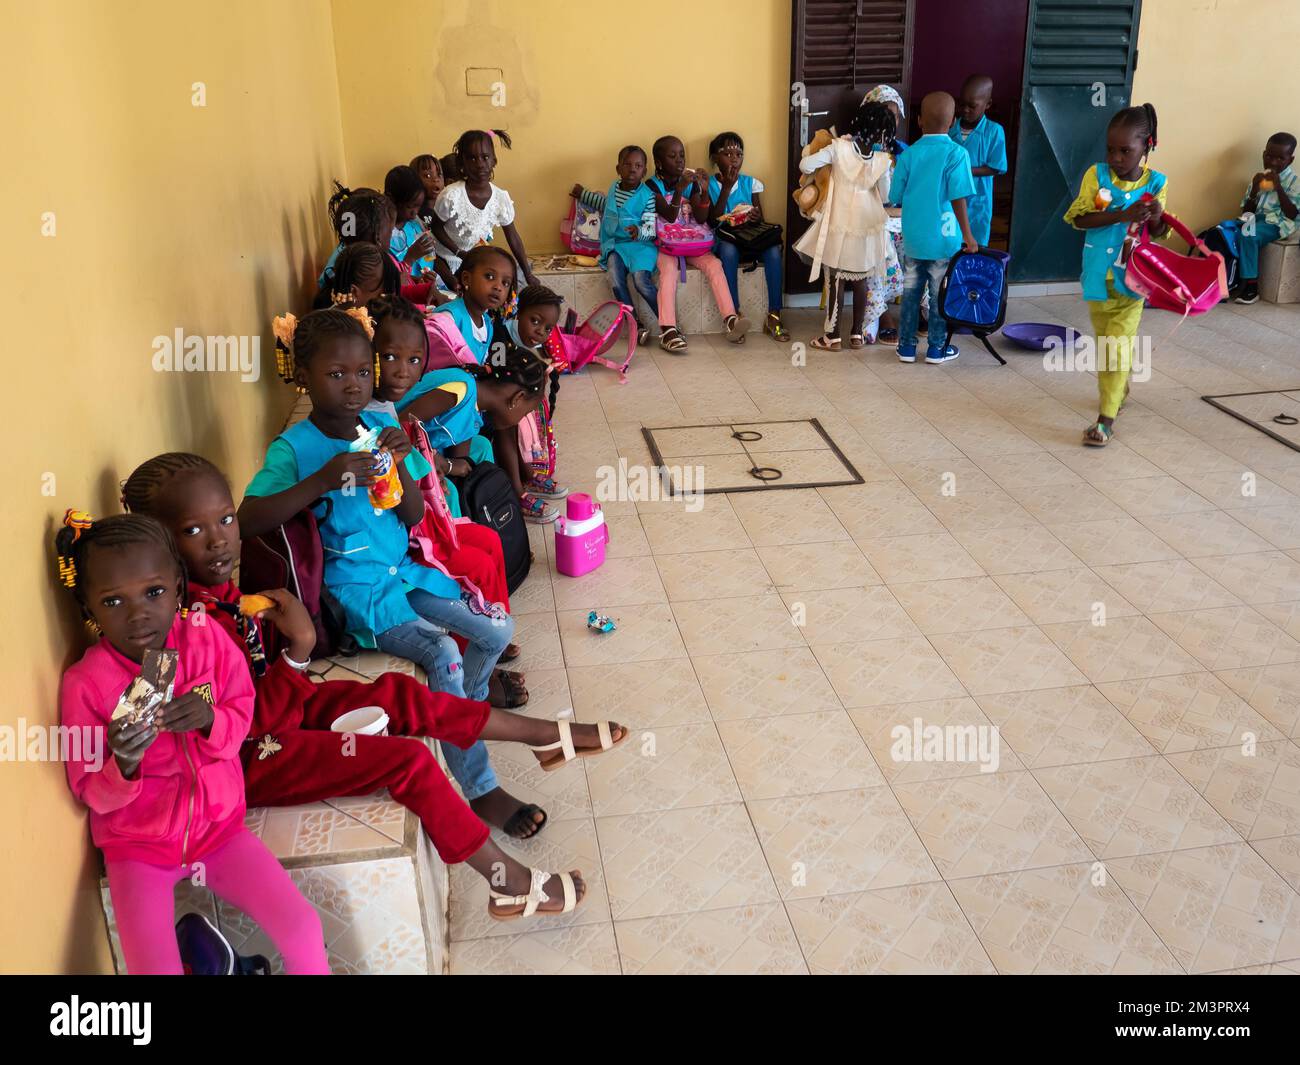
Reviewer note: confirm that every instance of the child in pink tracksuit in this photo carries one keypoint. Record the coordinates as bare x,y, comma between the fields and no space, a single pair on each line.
167,800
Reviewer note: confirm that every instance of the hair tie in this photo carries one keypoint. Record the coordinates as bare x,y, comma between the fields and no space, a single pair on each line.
367,323
78,521
284,327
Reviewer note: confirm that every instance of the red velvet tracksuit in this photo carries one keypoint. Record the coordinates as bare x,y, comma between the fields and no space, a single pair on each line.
313,763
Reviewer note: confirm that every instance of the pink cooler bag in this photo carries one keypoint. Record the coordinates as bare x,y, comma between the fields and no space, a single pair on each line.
684,238
580,536
1185,284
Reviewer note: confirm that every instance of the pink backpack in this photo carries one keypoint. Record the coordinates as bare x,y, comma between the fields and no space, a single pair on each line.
580,231
594,337
447,348
1185,284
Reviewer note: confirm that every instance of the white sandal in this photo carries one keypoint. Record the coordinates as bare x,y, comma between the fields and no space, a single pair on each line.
535,897
568,752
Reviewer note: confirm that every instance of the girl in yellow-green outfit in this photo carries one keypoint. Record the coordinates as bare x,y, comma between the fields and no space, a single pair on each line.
1112,195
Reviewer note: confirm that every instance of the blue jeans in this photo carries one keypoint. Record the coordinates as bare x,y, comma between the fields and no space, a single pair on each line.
426,642
1248,258
771,259
919,274
644,281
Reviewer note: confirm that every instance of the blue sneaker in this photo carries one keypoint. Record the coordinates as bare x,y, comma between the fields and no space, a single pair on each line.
941,355
907,353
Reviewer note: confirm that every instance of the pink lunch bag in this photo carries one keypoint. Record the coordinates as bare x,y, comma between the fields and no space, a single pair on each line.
580,231
1185,284
683,238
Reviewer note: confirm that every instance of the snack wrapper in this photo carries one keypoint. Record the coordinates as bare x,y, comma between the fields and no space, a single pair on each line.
152,689
1102,200
386,492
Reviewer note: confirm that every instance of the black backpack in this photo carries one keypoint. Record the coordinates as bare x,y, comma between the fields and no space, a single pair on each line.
974,294
1225,239
488,498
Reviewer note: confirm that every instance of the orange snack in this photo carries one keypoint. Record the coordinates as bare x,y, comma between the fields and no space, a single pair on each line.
386,492
252,605
1266,185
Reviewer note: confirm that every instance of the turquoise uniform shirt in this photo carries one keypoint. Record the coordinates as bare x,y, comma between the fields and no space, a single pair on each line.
986,145
932,173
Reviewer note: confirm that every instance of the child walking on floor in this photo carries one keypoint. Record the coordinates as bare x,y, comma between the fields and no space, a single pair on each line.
149,814
669,184
1112,196
290,756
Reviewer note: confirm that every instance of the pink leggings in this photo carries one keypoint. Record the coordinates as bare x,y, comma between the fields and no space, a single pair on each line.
244,873
670,273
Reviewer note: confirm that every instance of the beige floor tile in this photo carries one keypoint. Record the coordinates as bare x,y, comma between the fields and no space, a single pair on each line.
1286,616
989,823
1100,466
1121,649
906,747
786,517
798,754
714,527
682,861
1283,854
1266,577
1020,549
562,794
1156,587
1255,788
1063,726
1219,907
812,567
714,574
640,694
1133,806
1053,596
747,940
581,950
538,637
882,508
887,671
849,614
1004,660
1190,711
1274,691
619,582
627,538
660,769
562,845
918,928
1280,526
1060,920
839,841
1027,470
644,633
1116,542
965,603
927,557
787,680
1068,502
749,623
1235,489
976,512
535,594
1209,532
1229,638
1146,496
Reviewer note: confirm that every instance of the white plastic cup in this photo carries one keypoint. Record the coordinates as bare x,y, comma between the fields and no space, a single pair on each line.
364,721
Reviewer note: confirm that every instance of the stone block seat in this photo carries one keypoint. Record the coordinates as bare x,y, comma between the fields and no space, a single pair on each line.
1279,270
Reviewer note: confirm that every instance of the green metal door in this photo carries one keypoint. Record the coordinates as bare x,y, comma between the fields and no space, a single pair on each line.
1079,62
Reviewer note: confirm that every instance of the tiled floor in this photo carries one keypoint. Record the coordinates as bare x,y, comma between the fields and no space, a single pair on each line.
1128,620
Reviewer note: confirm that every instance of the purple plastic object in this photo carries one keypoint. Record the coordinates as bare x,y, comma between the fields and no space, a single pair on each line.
1035,335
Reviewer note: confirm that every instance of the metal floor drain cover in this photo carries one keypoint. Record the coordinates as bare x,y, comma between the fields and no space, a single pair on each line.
1275,413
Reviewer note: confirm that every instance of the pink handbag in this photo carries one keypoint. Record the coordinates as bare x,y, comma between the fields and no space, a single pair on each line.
1185,284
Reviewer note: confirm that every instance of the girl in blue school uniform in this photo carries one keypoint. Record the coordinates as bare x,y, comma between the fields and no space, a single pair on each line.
1112,195
389,601
627,233
729,189
487,284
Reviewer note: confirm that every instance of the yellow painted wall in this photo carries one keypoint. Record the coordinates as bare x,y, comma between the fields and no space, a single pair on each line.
577,90
166,215
1223,77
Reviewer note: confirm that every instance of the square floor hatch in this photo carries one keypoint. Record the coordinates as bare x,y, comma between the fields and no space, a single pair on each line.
1275,413
749,456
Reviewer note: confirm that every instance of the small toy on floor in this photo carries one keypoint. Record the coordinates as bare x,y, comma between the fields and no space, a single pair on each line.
600,623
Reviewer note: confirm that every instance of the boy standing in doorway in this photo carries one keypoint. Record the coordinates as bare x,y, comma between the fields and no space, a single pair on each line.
986,144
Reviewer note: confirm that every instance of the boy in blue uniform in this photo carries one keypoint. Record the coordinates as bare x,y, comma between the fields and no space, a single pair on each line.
932,181
1271,200
986,144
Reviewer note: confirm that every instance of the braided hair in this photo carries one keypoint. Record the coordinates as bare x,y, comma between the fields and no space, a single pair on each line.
399,309
541,296
402,184
479,254
355,261
359,214
79,533
873,125
521,367
297,341
142,492
473,136
722,140
1141,119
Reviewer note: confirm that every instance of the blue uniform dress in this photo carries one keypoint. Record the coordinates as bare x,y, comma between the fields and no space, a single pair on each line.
630,257
986,145
465,325
389,601
932,173
743,192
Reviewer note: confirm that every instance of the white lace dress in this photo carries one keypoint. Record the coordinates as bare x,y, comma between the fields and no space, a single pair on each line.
849,234
468,225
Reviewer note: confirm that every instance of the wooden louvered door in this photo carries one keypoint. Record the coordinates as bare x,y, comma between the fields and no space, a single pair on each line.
838,50
1079,62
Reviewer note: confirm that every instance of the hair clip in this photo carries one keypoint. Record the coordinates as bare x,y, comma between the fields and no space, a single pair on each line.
340,297
361,315
283,327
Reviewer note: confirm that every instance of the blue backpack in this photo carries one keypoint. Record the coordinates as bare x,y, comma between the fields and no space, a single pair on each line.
973,295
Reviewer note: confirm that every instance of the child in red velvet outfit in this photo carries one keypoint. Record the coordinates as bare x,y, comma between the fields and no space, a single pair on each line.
290,755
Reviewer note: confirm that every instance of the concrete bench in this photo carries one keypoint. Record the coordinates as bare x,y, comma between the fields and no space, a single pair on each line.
1279,270
585,288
